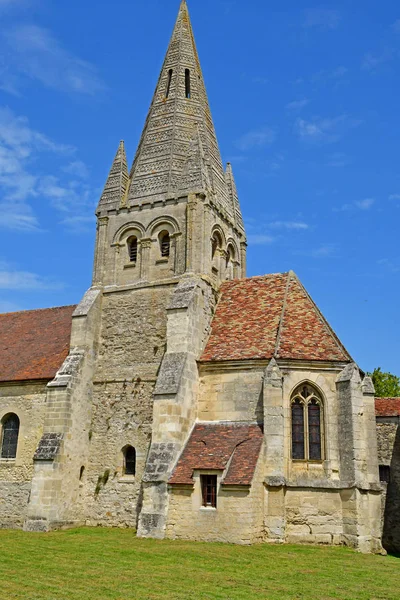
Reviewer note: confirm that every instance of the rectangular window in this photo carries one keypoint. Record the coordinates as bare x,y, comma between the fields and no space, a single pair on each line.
209,490
384,473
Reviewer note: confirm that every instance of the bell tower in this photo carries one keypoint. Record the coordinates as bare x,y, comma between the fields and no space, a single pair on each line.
177,211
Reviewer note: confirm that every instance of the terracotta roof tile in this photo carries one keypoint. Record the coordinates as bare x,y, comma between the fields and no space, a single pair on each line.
387,407
212,445
262,317
34,343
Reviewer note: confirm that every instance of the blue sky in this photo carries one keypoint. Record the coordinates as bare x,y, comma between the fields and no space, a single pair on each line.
305,100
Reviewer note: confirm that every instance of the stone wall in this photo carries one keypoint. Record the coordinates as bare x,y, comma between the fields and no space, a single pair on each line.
131,347
388,433
27,401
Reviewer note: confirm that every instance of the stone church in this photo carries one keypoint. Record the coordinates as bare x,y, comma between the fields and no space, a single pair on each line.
179,397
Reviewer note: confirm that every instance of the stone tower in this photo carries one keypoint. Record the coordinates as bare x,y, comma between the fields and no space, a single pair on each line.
168,233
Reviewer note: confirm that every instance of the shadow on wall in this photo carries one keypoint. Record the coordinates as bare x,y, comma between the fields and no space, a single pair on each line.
391,524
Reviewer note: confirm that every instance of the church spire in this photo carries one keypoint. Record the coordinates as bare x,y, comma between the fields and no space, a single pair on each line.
117,182
179,118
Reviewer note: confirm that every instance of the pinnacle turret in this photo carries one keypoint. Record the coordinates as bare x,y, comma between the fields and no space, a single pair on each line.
117,182
233,195
179,119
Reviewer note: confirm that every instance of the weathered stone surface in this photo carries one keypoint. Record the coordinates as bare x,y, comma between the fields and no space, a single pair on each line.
48,447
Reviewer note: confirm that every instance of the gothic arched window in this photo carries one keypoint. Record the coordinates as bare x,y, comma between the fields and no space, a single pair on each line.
129,460
165,244
9,437
133,249
307,424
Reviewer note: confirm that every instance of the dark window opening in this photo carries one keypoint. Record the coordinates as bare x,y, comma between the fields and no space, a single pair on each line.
133,249
10,433
169,83
209,490
187,83
165,244
384,473
314,431
298,450
130,461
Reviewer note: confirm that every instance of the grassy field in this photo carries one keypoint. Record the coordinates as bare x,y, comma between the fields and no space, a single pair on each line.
102,564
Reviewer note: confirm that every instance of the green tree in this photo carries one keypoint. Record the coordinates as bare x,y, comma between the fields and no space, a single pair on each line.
386,384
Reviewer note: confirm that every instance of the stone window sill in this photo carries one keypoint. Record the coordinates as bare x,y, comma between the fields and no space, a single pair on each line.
131,265
314,463
8,461
208,508
127,479
162,261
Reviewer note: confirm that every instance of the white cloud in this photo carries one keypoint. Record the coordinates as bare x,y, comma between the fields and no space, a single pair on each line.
297,105
322,18
324,251
327,130
293,225
396,26
260,239
23,280
34,53
372,61
394,197
256,139
21,148
77,168
365,204
326,76
338,160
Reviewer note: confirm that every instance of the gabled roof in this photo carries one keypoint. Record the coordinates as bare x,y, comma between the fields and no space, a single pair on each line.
214,446
270,316
34,343
387,407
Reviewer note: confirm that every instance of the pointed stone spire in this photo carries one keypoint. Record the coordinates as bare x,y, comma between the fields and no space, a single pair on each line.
234,198
117,182
179,107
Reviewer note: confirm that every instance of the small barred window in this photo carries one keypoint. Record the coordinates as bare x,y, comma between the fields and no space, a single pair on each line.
307,443
209,490
384,473
10,432
165,244
133,249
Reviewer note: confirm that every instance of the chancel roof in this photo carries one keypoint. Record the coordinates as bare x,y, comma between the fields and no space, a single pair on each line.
230,447
387,407
34,343
270,316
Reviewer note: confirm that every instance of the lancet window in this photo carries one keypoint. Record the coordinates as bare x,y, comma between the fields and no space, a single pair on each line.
133,249
129,461
187,83
307,424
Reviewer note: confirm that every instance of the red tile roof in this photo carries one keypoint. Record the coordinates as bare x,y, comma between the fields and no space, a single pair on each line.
212,446
262,317
34,343
387,407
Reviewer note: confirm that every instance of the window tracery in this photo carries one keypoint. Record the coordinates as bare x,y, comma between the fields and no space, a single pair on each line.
307,424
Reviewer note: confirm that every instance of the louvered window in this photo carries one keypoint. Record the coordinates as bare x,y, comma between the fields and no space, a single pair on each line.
133,249
130,461
10,431
165,245
209,490
187,83
169,83
307,424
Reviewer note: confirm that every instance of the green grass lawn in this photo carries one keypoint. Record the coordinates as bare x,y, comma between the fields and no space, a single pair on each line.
100,564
